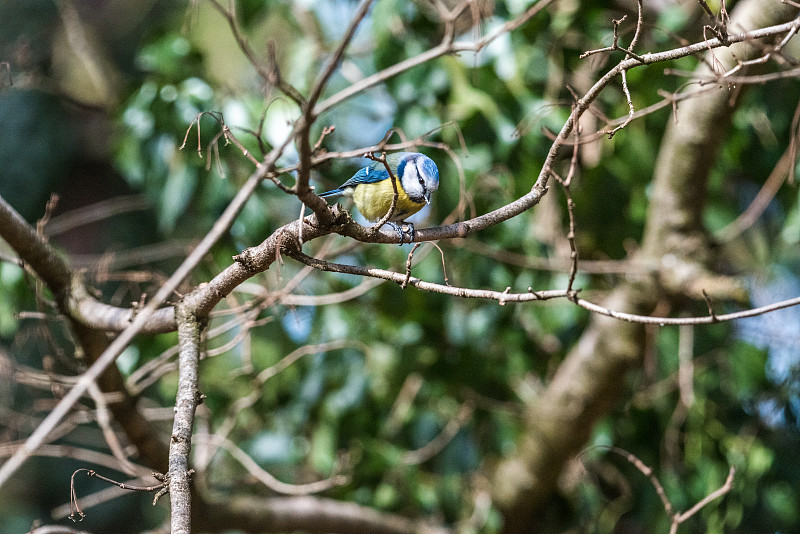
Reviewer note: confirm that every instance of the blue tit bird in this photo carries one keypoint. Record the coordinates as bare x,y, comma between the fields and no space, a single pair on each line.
372,192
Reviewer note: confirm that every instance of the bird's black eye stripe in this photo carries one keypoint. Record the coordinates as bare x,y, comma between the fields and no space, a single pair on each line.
421,182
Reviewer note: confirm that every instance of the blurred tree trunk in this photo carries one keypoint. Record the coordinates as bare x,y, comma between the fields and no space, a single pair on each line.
593,378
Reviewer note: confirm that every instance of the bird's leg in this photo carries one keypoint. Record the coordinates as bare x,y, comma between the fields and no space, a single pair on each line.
411,232
404,229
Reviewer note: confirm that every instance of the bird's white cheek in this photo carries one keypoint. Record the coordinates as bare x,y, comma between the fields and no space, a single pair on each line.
412,189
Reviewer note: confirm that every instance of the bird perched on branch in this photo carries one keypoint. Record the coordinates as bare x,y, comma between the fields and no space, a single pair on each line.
371,189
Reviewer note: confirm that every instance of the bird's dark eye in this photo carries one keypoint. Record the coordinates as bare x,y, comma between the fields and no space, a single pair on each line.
421,181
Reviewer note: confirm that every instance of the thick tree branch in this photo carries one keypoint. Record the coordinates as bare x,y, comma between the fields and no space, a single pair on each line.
40,256
188,397
308,514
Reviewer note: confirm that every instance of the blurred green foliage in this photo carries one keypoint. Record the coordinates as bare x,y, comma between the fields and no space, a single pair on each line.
501,101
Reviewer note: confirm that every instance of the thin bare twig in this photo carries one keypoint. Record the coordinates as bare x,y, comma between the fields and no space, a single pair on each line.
98,211
437,444
266,478
408,264
48,213
507,296
726,487
676,518
782,171
333,63
272,74
425,286
77,514
104,421
644,469
710,319
565,183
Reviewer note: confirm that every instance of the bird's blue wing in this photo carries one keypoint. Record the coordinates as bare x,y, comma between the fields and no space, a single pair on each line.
366,175
374,173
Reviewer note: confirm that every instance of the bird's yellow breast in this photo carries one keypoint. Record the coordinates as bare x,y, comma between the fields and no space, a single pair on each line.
374,201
